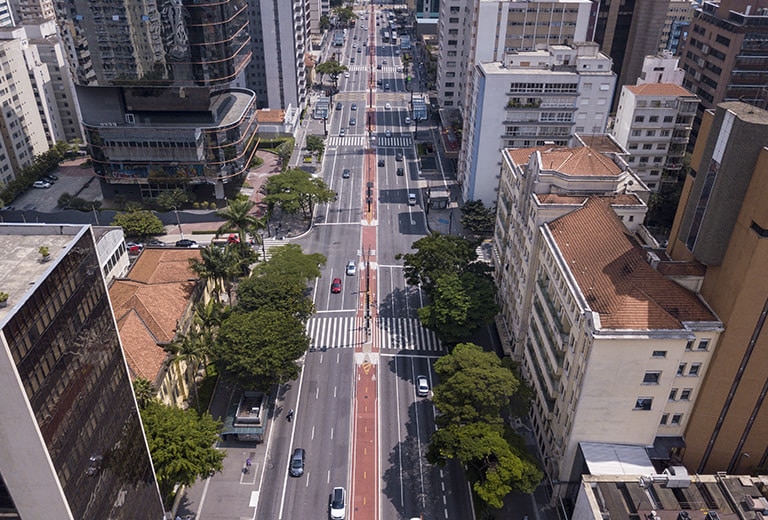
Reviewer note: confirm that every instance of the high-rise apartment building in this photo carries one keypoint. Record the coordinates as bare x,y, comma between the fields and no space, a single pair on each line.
722,223
653,123
531,98
154,87
280,42
614,351
679,14
22,135
472,32
32,12
71,442
725,54
317,9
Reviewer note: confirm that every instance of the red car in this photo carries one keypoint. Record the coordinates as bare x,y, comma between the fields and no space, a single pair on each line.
336,286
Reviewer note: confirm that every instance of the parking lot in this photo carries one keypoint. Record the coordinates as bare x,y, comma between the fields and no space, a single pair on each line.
72,179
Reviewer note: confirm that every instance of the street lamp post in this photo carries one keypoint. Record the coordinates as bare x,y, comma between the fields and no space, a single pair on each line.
178,222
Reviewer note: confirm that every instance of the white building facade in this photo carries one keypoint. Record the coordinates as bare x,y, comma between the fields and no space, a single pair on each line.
613,350
533,98
653,123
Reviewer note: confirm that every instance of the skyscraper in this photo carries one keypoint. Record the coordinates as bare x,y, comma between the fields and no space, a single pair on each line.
71,442
722,223
154,86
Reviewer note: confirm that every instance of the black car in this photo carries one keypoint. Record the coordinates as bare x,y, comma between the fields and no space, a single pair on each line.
185,242
53,176
345,174
400,172
399,156
381,163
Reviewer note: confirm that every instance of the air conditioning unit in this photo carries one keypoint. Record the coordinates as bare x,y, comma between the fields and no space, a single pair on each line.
130,119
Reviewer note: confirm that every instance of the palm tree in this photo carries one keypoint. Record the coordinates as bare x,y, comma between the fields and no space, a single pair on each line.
192,348
218,265
145,392
238,217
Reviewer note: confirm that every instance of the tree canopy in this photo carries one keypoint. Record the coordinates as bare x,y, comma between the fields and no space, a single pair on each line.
461,290
315,144
296,190
475,386
331,67
284,294
139,224
181,443
477,218
258,349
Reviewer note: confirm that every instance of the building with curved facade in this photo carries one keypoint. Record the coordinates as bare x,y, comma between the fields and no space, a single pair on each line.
154,82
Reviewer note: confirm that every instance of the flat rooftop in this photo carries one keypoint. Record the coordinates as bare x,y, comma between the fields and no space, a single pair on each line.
21,265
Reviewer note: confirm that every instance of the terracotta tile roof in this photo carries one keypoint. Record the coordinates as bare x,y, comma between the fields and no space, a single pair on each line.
266,115
149,303
613,275
580,161
658,89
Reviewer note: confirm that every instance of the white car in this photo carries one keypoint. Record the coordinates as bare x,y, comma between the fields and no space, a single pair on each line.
387,107
351,268
41,185
422,386
407,120
338,504
346,74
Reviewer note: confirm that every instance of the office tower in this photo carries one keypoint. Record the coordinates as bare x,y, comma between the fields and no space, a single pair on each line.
531,98
280,36
22,135
154,87
679,14
613,350
721,223
725,54
71,441
471,32
653,123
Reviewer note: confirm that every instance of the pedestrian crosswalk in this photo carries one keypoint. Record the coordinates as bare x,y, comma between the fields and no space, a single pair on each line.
328,332
360,141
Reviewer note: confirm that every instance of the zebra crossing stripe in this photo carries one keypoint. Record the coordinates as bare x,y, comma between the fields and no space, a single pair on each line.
328,332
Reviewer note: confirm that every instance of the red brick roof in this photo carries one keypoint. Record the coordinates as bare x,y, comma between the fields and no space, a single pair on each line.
612,273
148,305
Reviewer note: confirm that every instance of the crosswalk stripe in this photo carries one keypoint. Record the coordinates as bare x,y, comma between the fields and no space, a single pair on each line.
327,332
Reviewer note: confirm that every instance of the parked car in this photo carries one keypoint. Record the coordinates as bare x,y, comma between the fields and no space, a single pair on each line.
351,268
422,386
49,179
338,503
185,242
41,185
345,174
134,248
53,176
336,286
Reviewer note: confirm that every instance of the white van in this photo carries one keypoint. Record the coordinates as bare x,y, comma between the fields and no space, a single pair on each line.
411,199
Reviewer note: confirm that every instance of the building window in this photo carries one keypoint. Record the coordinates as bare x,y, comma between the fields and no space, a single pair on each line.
632,146
685,395
703,345
643,403
639,119
653,119
651,378
668,119
650,133
648,146
695,369
677,418
664,419
665,133
636,133
689,345
659,353
673,394
681,368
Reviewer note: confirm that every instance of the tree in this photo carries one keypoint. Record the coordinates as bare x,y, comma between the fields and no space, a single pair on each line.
331,67
344,15
284,151
494,465
181,443
296,190
325,22
238,217
316,145
173,199
139,223
475,386
144,391
258,349
218,265
436,255
291,262
283,294
477,218
191,348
